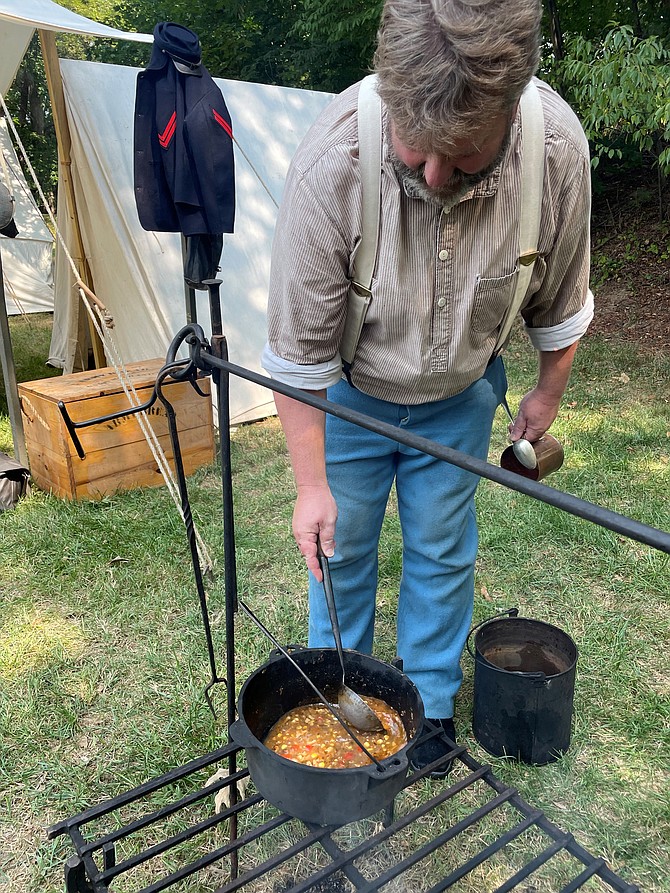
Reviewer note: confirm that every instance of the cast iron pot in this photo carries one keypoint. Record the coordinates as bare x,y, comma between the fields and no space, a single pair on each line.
323,796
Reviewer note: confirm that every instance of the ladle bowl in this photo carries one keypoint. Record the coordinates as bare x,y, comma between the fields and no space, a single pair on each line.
524,452
353,708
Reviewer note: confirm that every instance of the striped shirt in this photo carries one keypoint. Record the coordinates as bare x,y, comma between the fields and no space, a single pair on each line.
443,277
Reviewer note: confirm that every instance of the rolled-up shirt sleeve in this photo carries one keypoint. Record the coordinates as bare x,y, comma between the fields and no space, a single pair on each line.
564,334
309,378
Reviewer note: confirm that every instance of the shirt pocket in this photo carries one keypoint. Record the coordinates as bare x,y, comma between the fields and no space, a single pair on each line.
491,300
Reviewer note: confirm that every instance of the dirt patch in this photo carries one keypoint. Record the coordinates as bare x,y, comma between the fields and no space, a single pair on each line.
633,313
630,270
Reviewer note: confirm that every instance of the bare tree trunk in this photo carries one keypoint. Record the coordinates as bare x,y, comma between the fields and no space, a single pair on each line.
662,181
660,193
556,32
23,86
637,21
31,109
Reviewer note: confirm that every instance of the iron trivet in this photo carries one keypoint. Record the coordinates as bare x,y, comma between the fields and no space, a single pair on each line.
167,835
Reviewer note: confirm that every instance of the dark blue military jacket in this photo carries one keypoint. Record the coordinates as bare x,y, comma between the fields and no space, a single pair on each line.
183,166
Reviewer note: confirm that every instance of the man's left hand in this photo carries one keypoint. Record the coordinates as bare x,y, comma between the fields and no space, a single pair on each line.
535,416
539,407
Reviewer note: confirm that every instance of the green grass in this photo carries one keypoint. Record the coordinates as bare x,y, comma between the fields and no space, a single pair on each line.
103,660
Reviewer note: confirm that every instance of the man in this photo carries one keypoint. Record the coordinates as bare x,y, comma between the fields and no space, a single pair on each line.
450,75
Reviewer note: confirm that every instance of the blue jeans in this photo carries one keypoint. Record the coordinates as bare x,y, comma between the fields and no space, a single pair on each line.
439,530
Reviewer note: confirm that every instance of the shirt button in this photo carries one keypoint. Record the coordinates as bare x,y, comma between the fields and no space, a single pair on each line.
442,302
443,255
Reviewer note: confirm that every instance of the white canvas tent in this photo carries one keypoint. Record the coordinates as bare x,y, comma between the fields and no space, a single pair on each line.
27,260
136,274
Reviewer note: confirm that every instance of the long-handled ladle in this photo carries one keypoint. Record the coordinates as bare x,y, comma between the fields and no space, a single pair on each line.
352,707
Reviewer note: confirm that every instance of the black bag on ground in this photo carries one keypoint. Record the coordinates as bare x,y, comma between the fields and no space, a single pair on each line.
13,482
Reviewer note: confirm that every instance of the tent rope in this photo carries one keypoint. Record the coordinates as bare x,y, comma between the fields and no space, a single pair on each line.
103,322
258,176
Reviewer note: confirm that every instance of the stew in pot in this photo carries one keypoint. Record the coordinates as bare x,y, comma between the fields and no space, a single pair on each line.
311,735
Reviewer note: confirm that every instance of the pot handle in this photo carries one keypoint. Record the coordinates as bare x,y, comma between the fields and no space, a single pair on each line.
241,734
399,763
509,612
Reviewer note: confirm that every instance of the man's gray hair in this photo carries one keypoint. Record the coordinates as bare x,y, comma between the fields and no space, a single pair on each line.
447,67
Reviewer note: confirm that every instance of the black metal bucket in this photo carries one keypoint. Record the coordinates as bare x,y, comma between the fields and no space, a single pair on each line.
523,688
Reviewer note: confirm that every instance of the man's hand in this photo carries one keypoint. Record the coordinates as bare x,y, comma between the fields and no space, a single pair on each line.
536,414
539,407
314,516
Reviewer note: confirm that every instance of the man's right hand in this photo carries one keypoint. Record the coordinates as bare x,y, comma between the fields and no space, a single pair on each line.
314,517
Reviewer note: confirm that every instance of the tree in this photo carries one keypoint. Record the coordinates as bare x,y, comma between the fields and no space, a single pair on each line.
337,39
593,19
28,102
555,30
620,88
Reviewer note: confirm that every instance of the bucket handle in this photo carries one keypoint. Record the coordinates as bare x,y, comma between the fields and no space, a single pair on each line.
509,612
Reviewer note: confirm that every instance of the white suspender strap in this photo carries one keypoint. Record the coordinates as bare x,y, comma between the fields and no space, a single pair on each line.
370,161
370,164
532,178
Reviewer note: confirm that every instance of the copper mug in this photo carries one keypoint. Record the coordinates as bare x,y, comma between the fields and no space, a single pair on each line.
548,455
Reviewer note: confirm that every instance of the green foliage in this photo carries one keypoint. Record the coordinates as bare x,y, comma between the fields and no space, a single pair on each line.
325,46
594,18
337,38
620,88
28,103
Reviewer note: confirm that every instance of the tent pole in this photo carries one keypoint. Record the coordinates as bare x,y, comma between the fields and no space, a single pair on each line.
64,139
9,374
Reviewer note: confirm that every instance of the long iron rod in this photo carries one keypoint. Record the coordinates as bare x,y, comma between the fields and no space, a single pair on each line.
644,533
192,542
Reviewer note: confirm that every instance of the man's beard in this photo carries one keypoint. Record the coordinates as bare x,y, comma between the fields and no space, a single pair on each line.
458,185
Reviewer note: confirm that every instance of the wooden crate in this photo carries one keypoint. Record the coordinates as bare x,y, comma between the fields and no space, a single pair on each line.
118,456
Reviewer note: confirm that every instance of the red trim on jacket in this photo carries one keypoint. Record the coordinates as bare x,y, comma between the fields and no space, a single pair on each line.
222,121
165,137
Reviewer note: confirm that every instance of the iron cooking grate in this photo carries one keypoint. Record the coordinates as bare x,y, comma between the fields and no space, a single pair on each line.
468,831
175,833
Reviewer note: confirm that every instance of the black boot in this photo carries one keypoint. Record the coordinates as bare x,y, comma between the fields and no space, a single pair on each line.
434,748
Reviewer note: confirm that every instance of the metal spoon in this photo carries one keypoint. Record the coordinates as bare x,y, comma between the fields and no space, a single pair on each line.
352,707
522,448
